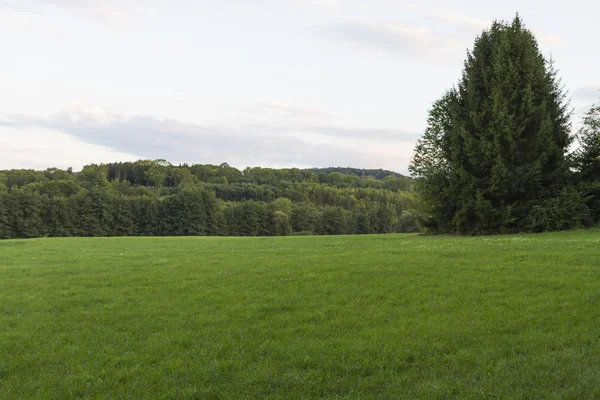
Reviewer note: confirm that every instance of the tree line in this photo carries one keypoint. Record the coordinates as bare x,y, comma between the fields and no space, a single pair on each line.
156,198
496,155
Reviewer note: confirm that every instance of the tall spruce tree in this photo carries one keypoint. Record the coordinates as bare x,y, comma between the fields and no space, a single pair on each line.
496,145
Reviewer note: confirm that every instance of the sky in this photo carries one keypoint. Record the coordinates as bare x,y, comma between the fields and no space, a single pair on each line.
272,83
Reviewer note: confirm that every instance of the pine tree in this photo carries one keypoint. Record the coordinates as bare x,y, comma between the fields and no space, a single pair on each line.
496,146
25,214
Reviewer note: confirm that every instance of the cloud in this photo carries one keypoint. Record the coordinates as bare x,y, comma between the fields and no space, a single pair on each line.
397,38
37,147
277,108
282,118
13,19
104,10
586,93
297,143
460,19
369,134
446,44
321,3
475,26
281,5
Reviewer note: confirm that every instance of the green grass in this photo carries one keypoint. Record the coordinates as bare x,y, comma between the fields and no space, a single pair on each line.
359,317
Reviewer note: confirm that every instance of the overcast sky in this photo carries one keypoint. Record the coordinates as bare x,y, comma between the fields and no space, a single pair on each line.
278,83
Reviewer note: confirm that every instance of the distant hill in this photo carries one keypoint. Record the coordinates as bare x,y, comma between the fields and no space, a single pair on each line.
363,173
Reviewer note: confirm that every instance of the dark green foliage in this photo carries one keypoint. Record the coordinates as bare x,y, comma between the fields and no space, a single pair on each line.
93,176
156,198
305,217
408,222
566,211
334,221
229,181
22,177
56,188
495,150
373,219
24,214
4,227
244,191
588,160
57,217
124,221
281,224
362,221
185,213
362,173
146,213
249,218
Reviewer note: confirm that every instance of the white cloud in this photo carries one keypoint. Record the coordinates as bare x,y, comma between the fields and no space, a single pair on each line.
398,38
113,11
15,18
321,3
476,25
37,147
460,19
287,141
277,110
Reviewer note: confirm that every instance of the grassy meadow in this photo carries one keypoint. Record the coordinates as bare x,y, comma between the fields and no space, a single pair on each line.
346,317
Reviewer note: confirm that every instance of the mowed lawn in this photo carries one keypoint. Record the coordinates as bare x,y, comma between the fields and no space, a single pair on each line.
347,317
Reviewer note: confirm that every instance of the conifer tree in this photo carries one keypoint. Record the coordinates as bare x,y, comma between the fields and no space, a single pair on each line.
496,145
588,159
4,227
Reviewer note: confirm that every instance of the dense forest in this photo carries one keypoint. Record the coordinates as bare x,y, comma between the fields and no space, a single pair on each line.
156,198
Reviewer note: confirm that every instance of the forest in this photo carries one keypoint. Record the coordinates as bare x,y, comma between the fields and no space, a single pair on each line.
156,198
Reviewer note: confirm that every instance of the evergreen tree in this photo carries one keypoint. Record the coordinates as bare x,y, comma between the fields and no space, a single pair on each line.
101,206
216,224
25,214
123,221
146,213
431,166
56,217
81,213
184,213
496,146
5,231
588,159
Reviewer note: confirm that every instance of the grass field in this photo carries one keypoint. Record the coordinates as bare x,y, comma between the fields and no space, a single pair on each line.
358,317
